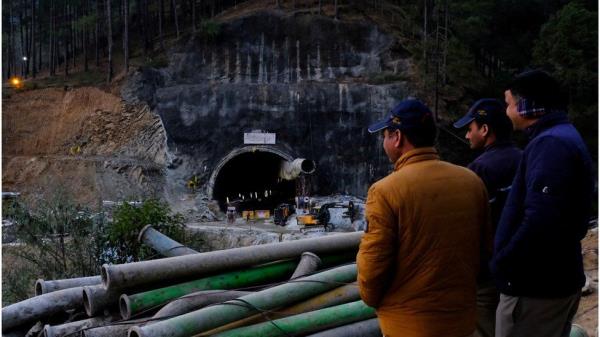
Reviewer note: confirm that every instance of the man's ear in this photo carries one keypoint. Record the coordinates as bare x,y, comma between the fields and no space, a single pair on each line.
485,130
399,139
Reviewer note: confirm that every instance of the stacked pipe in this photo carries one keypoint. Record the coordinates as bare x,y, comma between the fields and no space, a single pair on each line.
300,288
235,286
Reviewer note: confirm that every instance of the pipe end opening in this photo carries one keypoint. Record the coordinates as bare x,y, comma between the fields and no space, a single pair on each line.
135,332
104,275
124,306
308,166
39,287
141,234
87,305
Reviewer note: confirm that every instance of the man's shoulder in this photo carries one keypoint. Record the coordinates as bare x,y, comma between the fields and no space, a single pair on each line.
498,157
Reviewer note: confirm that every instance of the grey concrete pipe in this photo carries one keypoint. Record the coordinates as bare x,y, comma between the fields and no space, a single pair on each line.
197,300
44,287
210,317
114,330
290,170
196,265
71,328
96,298
368,328
162,243
308,264
39,307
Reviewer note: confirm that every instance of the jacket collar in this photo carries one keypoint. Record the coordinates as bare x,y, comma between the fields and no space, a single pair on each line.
545,122
498,144
415,156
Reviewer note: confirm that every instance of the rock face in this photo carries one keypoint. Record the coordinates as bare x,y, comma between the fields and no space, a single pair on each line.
313,81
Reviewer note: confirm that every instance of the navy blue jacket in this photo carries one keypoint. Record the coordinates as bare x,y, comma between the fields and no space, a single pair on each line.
496,166
537,249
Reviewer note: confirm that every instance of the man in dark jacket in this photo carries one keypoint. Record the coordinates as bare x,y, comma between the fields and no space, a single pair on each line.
489,129
537,263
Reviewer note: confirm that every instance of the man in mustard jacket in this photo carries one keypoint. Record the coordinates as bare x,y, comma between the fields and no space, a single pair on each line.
420,254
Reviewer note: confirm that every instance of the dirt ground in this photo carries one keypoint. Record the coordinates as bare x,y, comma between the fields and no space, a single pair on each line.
84,140
587,315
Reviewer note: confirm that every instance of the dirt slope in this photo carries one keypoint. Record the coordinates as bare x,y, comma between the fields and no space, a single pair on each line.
84,140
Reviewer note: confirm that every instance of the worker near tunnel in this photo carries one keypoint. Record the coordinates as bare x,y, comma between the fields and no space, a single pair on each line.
537,263
489,130
419,258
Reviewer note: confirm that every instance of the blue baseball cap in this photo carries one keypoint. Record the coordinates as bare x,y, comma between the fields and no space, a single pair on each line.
408,114
486,111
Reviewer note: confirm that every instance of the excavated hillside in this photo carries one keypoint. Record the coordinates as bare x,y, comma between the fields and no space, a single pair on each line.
83,140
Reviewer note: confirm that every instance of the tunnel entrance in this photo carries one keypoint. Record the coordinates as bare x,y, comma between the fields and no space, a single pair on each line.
251,181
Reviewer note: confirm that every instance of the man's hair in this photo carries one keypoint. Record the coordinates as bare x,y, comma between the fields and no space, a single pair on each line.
538,86
502,129
424,135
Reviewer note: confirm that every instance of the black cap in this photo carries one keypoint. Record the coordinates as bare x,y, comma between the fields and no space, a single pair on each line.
408,114
485,111
538,86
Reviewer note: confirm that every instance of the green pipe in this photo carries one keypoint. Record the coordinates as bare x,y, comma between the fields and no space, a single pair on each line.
130,305
577,331
207,318
307,322
337,296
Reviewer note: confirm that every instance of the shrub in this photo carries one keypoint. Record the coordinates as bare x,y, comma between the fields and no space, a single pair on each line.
129,219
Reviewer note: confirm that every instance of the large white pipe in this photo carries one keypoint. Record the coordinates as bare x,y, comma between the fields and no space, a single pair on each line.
169,269
290,170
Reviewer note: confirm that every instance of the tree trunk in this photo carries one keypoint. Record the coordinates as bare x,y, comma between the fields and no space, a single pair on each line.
51,40
73,32
97,33
27,52
161,20
66,39
126,34
193,4
9,46
110,41
85,37
145,26
33,58
425,36
39,32
336,10
21,61
174,6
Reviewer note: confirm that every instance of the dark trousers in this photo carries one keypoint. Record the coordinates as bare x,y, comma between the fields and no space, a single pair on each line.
487,303
539,317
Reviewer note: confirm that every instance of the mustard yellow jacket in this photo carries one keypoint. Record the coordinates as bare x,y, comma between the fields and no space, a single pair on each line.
419,257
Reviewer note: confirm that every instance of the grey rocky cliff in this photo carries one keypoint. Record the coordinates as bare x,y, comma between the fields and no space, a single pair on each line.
311,80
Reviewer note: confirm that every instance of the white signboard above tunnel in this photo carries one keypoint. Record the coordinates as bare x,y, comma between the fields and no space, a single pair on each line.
259,138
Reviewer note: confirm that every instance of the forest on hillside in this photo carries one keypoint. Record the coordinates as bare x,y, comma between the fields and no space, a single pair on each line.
464,49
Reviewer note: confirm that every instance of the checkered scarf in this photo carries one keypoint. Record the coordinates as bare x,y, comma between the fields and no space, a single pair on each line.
528,108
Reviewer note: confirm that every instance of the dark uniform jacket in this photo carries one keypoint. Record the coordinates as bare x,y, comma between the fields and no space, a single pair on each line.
537,249
496,166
